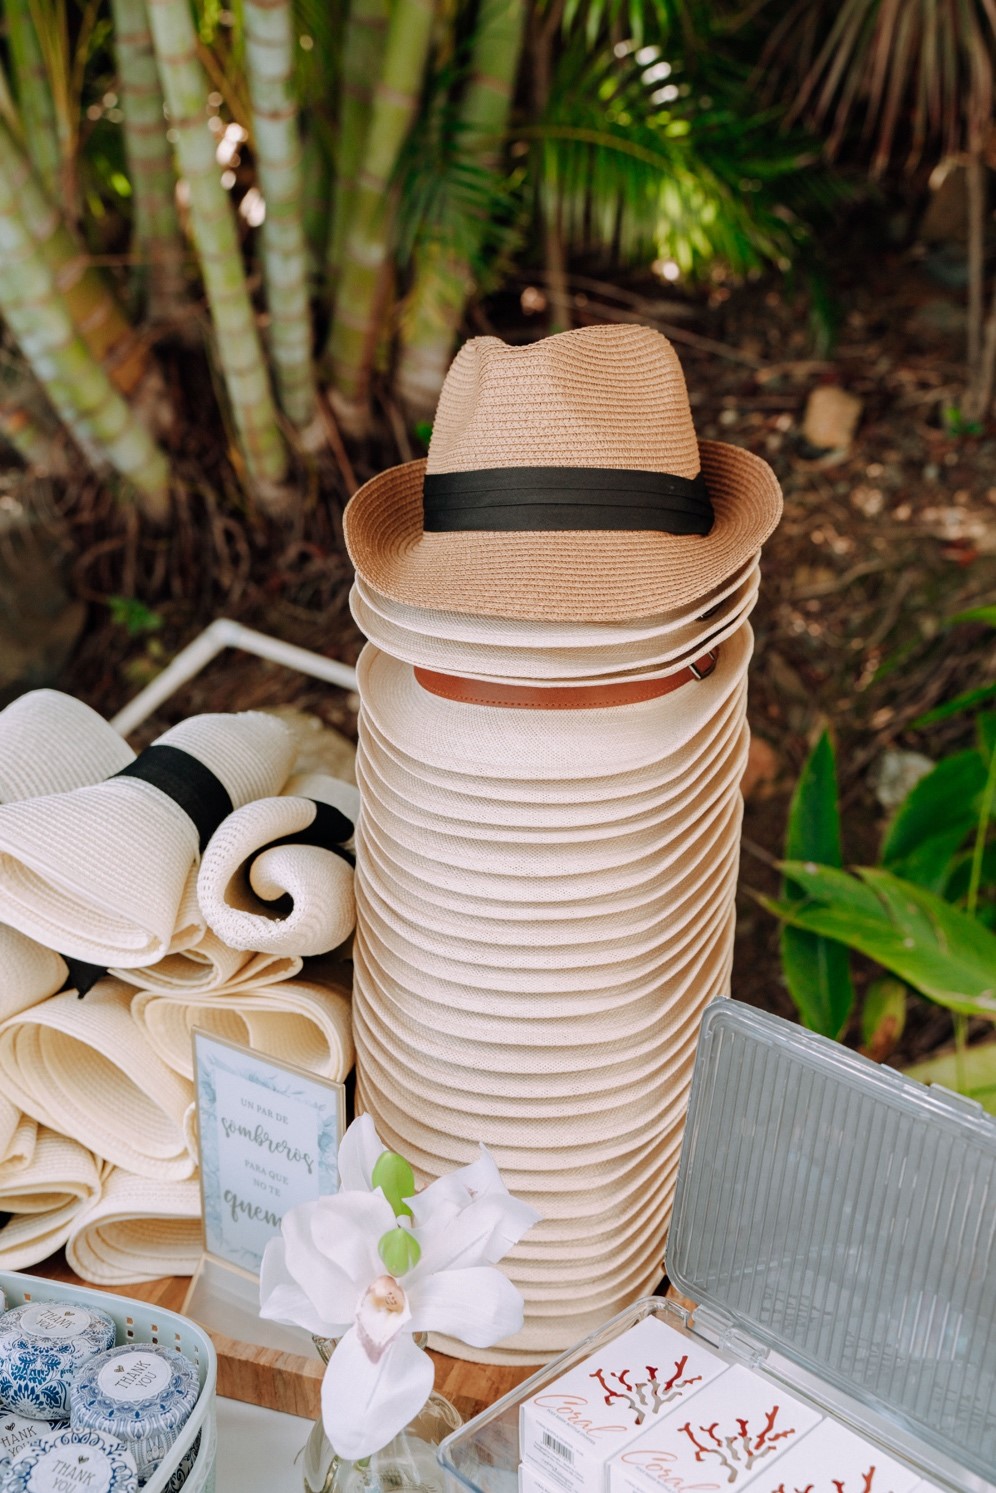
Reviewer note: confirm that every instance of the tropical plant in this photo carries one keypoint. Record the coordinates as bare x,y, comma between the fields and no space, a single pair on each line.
918,77
926,912
395,159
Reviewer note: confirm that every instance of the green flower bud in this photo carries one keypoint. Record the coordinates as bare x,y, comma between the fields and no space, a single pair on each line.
400,1251
396,1180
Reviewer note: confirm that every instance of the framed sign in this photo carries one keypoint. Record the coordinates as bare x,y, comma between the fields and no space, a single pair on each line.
269,1139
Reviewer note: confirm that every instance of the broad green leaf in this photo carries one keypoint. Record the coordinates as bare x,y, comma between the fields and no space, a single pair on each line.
817,971
985,730
961,872
883,1016
396,1180
966,701
977,614
978,1065
818,975
935,947
934,818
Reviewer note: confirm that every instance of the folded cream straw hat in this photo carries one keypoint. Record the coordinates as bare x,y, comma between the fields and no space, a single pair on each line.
555,744
210,966
277,875
137,1230
305,1022
28,972
100,872
537,634
564,481
51,743
43,1192
85,1068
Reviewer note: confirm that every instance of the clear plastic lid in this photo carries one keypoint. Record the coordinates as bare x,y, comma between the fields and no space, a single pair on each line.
844,1216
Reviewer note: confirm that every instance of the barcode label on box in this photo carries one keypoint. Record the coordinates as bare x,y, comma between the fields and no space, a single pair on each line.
558,1448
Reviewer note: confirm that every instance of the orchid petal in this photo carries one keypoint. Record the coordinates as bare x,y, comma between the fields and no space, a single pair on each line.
478,1306
381,1314
330,1251
366,1404
481,1234
457,1189
281,1298
359,1151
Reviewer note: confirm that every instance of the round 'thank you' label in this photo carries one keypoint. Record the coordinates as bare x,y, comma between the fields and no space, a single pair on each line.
134,1376
71,1469
55,1320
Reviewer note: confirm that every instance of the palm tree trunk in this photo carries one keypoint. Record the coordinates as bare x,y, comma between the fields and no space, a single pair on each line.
269,35
34,95
558,287
31,437
443,279
157,237
316,199
239,349
95,312
353,337
361,54
78,387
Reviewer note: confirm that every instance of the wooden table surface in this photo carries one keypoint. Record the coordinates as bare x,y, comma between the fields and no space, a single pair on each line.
268,1378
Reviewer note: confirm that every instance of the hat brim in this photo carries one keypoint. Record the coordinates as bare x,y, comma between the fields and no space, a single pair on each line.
573,575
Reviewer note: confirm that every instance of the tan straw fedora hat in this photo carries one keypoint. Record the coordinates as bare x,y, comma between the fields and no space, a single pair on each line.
564,482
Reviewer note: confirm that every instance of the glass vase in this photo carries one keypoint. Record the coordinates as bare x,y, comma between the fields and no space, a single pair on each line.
407,1463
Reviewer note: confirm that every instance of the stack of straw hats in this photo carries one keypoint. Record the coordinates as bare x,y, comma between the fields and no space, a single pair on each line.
552,736
180,888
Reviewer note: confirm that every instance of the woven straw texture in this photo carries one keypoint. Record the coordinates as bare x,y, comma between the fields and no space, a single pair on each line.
530,971
101,872
596,397
137,1230
45,1182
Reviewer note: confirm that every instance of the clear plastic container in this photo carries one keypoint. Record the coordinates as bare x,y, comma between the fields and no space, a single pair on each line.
836,1223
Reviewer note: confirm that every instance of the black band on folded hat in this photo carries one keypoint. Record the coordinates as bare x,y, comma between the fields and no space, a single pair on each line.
328,830
534,498
193,787
82,977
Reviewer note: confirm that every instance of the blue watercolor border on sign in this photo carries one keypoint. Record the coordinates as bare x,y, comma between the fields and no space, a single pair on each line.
212,1054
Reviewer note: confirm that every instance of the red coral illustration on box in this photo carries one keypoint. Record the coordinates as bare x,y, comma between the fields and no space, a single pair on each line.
836,1485
738,1449
650,1393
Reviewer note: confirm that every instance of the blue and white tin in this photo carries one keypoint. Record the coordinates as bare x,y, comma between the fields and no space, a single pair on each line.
142,1393
69,1461
42,1344
17,1432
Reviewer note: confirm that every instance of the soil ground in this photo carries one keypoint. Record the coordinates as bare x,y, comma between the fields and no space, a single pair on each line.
880,546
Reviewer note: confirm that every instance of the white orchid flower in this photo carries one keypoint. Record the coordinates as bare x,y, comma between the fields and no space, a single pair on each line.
327,1274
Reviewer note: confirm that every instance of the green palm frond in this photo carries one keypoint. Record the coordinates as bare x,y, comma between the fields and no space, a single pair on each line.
917,72
446,193
641,170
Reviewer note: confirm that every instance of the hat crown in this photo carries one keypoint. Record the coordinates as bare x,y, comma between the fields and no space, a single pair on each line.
606,396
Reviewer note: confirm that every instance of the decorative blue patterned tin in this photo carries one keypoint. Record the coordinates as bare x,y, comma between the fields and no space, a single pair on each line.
142,1393
17,1432
42,1344
71,1461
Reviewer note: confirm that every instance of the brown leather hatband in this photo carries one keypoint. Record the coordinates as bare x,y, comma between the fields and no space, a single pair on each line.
561,697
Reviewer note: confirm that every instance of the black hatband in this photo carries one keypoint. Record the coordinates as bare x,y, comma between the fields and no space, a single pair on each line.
193,787
537,498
